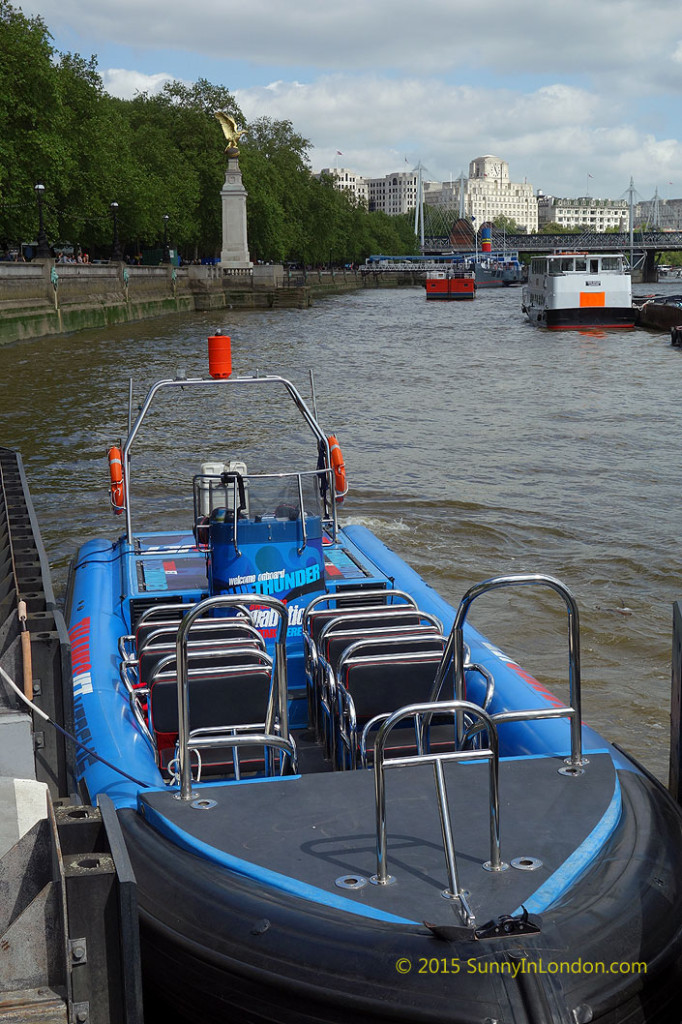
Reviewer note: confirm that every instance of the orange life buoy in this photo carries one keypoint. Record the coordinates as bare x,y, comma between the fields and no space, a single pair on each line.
336,456
116,474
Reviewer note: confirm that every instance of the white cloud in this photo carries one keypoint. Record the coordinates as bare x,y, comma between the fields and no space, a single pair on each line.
127,84
558,90
515,38
553,137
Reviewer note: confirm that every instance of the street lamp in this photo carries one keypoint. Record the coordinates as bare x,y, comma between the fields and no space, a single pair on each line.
116,254
43,250
166,250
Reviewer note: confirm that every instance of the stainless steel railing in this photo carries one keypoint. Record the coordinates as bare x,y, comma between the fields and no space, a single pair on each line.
279,681
454,656
454,890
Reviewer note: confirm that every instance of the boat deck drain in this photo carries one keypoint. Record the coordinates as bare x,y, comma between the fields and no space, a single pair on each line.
351,882
526,863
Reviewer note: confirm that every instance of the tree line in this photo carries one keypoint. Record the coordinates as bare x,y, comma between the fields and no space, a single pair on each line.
157,155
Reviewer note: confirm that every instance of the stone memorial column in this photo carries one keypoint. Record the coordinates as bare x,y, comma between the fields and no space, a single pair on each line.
234,254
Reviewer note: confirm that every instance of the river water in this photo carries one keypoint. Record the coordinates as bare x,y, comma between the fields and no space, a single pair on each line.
475,443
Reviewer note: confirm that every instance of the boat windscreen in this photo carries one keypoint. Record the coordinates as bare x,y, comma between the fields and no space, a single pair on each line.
279,495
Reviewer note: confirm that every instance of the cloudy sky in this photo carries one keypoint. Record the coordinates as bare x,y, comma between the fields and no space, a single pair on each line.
577,96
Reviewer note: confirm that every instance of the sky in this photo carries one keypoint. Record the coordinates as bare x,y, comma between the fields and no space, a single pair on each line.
579,98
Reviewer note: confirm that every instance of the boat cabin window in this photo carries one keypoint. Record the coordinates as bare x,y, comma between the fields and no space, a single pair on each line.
594,266
581,266
538,266
561,266
610,263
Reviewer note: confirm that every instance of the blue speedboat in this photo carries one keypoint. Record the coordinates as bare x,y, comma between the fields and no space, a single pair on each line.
341,801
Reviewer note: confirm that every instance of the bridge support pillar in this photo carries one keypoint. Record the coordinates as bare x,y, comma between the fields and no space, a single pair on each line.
650,267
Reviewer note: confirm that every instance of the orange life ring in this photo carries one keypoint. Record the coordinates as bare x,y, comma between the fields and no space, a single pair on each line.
116,474
336,456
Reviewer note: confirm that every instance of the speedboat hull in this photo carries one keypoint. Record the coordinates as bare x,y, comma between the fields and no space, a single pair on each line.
473,852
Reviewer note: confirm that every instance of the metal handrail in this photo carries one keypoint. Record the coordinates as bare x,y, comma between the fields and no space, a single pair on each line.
280,674
454,651
168,635
199,521
205,739
346,595
490,753
328,630
185,383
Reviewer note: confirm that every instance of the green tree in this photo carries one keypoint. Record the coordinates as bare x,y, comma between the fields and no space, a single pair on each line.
553,228
506,224
156,155
27,118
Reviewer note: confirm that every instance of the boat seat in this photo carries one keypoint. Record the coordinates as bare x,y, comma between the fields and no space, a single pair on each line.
320,625
224,701
335,643
353,603
233,691
200,653
338,633
376,677
162,630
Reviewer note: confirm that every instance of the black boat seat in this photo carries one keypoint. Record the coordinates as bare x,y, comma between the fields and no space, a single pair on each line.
162,630
200,653
316,617
336,643
236,692
376,677
327,623
232,698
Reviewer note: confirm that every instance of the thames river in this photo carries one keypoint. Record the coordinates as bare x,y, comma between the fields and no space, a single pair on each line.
475,445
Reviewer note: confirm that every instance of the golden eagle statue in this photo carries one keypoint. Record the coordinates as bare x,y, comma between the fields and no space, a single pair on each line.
230,131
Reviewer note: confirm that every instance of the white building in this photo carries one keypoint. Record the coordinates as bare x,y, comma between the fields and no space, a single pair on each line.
348,181
584,212
486,194
395,193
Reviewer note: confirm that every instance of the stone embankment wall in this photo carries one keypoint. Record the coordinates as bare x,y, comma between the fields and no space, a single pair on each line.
43,297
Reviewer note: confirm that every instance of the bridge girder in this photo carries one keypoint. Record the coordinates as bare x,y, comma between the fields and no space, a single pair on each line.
589,241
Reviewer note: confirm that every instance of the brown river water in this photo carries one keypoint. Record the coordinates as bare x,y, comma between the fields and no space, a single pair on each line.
475,443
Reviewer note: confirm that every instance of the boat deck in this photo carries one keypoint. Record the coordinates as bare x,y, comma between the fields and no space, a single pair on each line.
303,833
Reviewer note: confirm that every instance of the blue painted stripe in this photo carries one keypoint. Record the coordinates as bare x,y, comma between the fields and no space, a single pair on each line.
581,858
264,875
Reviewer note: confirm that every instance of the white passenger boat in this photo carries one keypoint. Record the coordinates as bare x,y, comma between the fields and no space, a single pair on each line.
579,289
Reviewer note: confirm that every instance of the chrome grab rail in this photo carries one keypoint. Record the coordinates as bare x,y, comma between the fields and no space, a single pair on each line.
200,520
454,651
185,383
226,736
490,753
346,595
280,671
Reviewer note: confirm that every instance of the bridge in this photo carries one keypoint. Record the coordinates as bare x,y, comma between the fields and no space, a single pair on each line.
644,246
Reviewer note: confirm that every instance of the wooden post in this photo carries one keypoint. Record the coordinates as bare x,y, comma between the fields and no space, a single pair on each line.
675,779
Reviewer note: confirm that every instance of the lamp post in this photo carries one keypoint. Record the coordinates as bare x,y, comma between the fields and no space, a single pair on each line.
166,251
43,250
116,254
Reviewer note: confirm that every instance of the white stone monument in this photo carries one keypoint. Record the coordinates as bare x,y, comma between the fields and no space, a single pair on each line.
234,254
235,250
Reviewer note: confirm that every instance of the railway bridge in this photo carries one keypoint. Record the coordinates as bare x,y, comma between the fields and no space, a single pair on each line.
643,248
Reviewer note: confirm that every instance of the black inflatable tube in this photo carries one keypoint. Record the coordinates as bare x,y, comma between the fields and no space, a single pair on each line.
217,944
